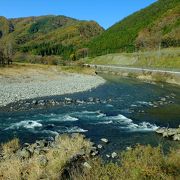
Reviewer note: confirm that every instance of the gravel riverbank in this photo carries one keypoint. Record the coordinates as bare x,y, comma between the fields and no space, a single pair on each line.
13,89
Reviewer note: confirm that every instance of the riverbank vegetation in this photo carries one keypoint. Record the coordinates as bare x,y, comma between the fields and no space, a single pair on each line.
26,69
69,158
164,58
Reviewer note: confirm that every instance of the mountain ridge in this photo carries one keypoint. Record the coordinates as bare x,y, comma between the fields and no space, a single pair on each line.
48,35
122,36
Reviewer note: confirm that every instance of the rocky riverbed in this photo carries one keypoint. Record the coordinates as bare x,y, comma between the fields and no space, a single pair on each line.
37,84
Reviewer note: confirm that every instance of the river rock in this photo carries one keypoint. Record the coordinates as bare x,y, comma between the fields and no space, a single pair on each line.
57,138
52,102
97,100
30,148
165,134
79,101
26,145
170,102
160,130
176,137
91,99
128,148
45,149
40,144
104,140
41,102
100,146
108,156
94,153
114,155
87,165
27,104
171,131
163,99
24,153
34,102
68,100
37,151
42,160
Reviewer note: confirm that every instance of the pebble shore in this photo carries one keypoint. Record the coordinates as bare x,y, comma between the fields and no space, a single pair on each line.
13,90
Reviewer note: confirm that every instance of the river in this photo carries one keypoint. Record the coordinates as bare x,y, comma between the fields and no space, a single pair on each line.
129,113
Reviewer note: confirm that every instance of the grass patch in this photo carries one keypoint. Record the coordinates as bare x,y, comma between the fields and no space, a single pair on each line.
10,147
165,58
78,69
30,69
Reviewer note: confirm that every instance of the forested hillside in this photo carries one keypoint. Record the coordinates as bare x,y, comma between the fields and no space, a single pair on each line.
155,26
47,35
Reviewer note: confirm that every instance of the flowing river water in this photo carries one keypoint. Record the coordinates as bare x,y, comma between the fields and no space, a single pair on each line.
129,113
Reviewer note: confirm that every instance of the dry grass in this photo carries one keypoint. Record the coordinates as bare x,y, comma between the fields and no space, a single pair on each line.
10,147
15,168
141,163
29,70
25,68
78,69
165,58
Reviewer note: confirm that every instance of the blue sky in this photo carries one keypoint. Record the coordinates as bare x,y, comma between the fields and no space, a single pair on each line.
105,12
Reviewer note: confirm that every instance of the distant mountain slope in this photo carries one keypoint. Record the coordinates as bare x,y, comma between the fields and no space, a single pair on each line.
48,35
158,24
5,27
